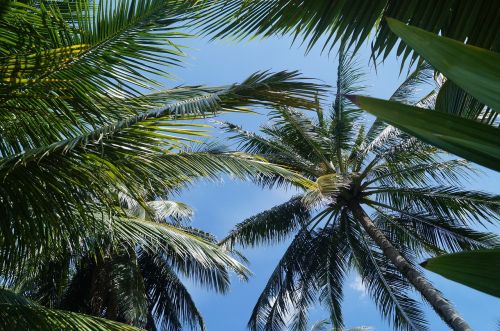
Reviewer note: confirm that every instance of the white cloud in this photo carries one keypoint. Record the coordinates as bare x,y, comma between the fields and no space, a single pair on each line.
358,286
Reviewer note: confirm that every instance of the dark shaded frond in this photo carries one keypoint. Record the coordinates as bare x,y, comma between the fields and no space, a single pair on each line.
19,314
331,22
270,226
167,295
129,288
384,283
333,272
453,100
275,301
446,202
425,233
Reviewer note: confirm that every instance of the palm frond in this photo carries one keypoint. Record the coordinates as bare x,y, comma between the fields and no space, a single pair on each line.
21,314
275,150
332,22
274,303
295,129
129,288
124,39
188,253
408,91
306,296
320,325
431,234
447,202
260,89
167,295
78,63
270,226
385,284
342,124
92,168
453,100
160,210
43,280
451,172
332,274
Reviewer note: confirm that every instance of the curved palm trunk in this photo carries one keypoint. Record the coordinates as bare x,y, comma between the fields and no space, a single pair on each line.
442,307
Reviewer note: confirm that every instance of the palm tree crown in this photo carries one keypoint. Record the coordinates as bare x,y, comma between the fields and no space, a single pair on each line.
377,201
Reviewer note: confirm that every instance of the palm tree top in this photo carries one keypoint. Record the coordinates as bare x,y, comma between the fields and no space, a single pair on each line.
411,191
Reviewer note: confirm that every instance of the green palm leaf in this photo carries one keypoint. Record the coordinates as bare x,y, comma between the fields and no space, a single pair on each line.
452,99
465,138
207,262
475,70
96,166
269,226
477,269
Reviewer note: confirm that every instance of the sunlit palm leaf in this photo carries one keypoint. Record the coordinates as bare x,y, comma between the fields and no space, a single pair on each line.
475,70
477,269
465,138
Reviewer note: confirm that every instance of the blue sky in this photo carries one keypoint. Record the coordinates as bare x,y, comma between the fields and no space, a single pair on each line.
219,206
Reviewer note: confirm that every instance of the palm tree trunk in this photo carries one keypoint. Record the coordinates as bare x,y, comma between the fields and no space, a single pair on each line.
442,307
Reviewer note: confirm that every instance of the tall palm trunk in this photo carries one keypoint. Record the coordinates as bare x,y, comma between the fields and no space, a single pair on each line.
432,295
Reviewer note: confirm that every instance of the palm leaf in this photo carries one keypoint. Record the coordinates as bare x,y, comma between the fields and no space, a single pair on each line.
275,150
167,295
466,138
116,158
298,130
342,125
129,288
445,202
329,22
452,99
477,269
385,284
333,273
274,303
207,262
65,78
475,70
21,314
269,226
423,232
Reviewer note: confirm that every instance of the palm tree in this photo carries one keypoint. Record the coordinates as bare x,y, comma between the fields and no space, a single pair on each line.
378,200
82,123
